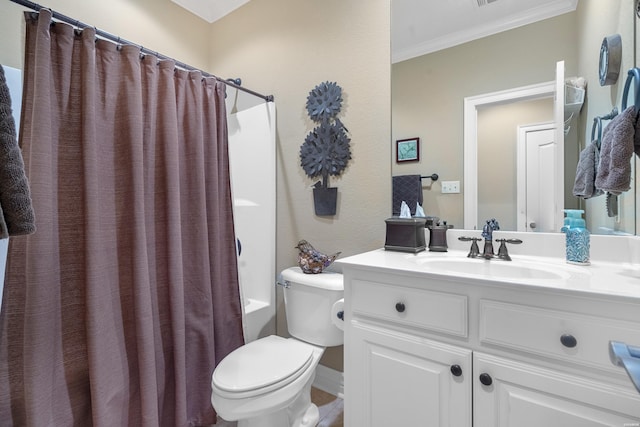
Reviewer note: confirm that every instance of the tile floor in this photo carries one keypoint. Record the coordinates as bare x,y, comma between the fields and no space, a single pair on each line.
330,406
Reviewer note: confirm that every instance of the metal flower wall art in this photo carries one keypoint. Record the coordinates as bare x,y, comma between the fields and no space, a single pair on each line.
325,151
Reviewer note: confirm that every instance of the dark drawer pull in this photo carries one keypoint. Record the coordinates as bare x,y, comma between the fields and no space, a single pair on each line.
568,340
400,307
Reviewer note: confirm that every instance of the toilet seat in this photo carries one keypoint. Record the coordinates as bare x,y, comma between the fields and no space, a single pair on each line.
261,366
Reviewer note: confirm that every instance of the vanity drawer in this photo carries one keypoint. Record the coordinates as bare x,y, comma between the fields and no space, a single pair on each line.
436,311
575,338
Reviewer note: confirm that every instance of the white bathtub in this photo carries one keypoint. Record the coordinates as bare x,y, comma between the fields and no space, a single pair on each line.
258,319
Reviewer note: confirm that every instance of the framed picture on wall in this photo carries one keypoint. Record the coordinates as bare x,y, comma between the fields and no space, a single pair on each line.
408,150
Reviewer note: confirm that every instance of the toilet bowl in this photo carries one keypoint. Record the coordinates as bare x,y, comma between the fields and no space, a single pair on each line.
267,394
267,382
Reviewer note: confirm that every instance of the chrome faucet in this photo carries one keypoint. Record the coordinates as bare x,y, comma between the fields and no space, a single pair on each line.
487,232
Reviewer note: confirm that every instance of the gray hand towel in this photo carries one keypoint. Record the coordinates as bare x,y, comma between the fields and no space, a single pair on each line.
16,212
407,188
614,170
586,171
636,139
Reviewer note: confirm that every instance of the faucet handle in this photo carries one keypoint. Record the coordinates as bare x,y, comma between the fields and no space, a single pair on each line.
502,250
474,251
512,241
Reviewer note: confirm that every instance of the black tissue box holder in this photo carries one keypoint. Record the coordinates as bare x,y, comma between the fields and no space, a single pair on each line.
405,234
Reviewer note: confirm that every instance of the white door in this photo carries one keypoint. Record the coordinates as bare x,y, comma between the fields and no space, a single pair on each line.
537,178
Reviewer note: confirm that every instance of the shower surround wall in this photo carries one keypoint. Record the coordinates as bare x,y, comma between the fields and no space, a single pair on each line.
252,158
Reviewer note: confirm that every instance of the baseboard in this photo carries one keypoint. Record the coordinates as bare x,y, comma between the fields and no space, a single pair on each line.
329,380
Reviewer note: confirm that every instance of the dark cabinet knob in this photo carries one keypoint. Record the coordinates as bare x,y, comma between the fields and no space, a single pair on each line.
456,370
486,379
568,340
400,307
340,315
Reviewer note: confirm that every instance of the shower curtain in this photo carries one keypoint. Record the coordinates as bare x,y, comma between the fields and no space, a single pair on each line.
116,311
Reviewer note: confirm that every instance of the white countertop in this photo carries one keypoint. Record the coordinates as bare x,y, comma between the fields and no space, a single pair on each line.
620,279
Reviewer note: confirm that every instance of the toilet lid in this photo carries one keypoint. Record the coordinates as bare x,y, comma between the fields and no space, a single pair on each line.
261,363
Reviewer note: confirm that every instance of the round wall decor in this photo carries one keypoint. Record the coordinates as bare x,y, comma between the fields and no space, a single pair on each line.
610,57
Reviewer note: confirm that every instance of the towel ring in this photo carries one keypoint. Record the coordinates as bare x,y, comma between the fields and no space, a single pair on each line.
597,124
633,72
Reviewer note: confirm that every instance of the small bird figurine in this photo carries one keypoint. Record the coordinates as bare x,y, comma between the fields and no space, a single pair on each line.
312,261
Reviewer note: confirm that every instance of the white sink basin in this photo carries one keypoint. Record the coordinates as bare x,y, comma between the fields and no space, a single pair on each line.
495,268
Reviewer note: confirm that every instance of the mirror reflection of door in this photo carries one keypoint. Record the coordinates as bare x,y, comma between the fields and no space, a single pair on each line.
536,154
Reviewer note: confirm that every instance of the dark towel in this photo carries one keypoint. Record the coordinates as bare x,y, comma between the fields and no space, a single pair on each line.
636,138
406,188
16,212
614,170
586,171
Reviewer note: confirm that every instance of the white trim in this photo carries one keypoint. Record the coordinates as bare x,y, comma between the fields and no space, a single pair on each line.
329,380
470,141
558,142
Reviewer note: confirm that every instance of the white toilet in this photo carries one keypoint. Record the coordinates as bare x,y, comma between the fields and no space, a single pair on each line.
267,382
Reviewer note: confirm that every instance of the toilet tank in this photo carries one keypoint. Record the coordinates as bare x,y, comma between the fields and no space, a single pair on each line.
308,300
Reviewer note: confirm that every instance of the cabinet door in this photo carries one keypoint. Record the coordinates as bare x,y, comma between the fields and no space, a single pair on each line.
513,394
396,379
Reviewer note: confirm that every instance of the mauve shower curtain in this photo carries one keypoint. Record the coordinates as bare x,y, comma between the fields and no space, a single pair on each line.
117,310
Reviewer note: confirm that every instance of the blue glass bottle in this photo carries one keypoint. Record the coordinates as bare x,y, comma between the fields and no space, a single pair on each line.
577,237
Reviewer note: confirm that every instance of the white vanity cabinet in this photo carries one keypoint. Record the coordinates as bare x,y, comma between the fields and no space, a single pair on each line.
397,377
432,350
404,380
524,394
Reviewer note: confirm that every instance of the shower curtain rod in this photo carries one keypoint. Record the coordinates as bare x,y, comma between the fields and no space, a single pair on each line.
235,83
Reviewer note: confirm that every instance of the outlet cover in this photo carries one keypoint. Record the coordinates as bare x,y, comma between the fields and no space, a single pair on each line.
450,186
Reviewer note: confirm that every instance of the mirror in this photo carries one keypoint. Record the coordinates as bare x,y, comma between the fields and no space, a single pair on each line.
522,193
428,93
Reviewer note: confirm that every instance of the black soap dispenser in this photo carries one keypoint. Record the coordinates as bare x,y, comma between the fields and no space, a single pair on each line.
438,237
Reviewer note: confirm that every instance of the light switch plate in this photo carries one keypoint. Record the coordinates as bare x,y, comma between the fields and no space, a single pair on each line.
450,186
